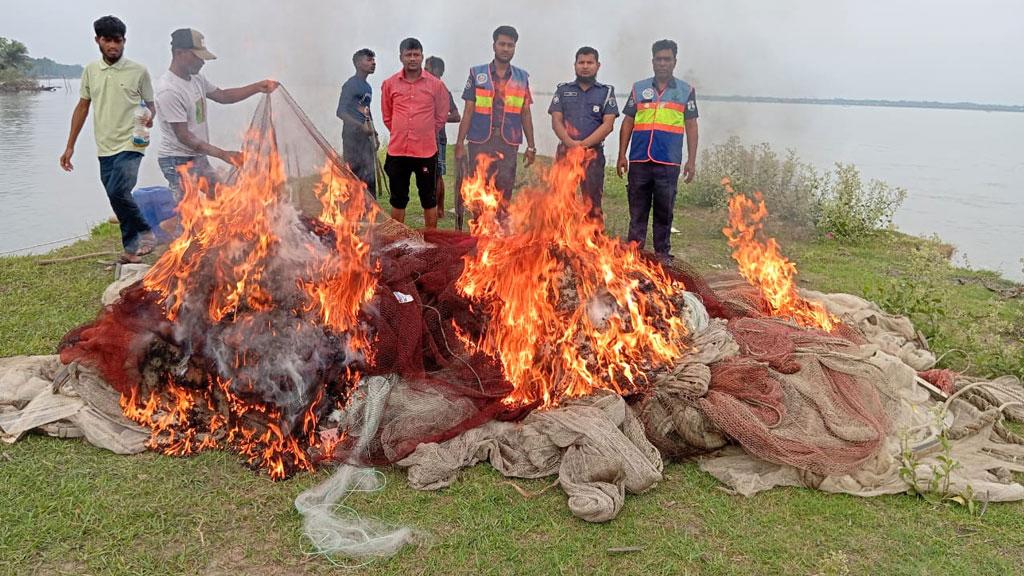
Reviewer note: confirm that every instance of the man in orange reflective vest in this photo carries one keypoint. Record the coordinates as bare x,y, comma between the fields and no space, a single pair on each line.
497,115
660,114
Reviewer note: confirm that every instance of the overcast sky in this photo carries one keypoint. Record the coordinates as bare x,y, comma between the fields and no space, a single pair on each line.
911,49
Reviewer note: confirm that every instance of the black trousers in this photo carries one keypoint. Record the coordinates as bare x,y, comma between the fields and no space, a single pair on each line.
357,150
592,185
399,170
651,185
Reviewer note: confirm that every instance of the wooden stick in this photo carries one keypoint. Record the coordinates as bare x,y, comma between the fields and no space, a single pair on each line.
625,549
73,258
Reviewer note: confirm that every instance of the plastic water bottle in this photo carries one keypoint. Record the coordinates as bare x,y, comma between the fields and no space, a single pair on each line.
140,133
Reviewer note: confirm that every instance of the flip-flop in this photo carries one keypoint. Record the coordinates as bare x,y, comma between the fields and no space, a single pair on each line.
146,245
129,258
145,248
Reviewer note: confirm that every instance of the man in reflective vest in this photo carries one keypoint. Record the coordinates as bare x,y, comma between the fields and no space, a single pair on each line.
659,116
582,115
497,115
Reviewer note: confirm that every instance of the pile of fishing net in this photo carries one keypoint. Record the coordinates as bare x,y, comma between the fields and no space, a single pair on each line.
760,401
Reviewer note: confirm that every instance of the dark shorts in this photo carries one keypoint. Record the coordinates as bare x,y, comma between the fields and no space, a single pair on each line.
401,168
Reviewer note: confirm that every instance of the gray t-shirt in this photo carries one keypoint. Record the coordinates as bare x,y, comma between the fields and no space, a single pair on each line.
180,100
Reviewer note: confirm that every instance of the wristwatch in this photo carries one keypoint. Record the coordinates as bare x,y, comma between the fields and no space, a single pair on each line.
531,149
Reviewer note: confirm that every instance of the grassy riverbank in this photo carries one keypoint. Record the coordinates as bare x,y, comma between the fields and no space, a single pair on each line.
71,509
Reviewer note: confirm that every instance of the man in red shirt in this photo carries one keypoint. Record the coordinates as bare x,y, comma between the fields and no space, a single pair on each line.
414,106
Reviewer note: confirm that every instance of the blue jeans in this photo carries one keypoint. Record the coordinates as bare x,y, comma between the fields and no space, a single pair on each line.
651,185
200,167
119,173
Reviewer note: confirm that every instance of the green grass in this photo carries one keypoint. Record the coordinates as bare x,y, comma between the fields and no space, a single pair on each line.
69,508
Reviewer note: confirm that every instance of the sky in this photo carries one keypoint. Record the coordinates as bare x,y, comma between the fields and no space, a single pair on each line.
896,49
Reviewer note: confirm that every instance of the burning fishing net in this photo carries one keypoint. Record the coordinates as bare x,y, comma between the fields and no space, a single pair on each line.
285,289
534,342
281,293
571,310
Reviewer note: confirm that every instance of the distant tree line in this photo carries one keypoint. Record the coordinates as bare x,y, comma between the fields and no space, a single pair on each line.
46,68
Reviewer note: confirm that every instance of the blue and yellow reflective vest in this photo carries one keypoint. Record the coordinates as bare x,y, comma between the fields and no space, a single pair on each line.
659,126
516,89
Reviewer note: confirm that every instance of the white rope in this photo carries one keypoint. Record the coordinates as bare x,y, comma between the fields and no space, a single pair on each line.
336,529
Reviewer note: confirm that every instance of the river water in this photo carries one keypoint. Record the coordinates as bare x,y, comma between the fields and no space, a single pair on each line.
962,169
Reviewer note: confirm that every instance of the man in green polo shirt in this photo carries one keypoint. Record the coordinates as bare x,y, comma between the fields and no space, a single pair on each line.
114,87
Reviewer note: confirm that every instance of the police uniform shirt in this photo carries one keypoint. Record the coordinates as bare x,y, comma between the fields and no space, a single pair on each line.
583,111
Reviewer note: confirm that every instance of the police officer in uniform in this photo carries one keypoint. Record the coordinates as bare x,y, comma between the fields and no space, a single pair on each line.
582,115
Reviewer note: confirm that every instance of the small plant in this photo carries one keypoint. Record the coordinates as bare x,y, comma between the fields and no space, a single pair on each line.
920,300
919,292
936,488
835,563
850,210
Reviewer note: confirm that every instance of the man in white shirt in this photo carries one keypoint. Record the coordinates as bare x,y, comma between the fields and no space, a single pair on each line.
181,95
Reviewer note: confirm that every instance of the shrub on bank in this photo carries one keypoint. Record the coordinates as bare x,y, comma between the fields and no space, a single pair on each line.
850,209
835,202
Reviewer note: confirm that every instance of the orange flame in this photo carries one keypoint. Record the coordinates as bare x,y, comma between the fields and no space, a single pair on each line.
175,430
346,280
233,236
233,226
570,310
764,266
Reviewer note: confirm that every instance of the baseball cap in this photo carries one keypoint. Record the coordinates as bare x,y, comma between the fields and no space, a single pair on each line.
189,39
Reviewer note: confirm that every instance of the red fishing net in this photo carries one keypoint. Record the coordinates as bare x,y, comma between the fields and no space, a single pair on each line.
233,341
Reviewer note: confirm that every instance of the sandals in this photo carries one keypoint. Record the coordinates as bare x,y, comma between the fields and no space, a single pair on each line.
146,244
129,258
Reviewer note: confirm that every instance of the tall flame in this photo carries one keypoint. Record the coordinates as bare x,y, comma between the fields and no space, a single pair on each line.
345,281
570,310
245,261
763,265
